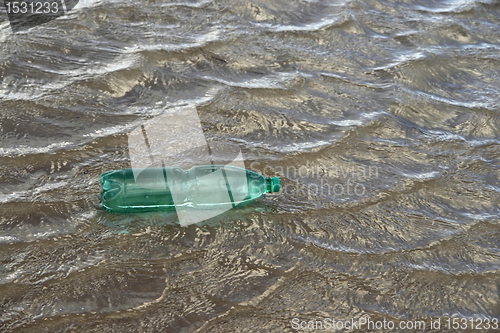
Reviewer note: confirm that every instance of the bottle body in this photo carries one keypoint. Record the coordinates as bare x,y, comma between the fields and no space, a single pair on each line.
168,188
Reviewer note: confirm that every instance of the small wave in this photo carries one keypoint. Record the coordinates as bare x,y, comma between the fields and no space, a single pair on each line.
346,249
293,147
450,268
107,131
199,41
8,239
5,31
356,81
450,6
200,4
25,150
400,60
480,216
272,81
322,24
87,4
356,122
421,175
444,136
427,95
25,233
482,142
31,91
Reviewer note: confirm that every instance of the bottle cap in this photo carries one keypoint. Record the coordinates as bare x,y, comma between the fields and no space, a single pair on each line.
273,184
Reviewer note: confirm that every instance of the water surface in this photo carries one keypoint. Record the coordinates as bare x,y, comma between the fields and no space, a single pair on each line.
380,117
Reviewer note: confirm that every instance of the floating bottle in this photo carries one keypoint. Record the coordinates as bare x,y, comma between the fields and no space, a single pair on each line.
209,187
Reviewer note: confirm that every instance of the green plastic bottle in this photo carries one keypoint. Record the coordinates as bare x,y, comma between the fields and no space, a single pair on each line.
219,187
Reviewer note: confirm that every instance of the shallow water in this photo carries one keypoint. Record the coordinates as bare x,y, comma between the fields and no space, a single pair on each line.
381,119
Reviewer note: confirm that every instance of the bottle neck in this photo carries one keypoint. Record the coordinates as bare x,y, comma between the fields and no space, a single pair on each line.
272,184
